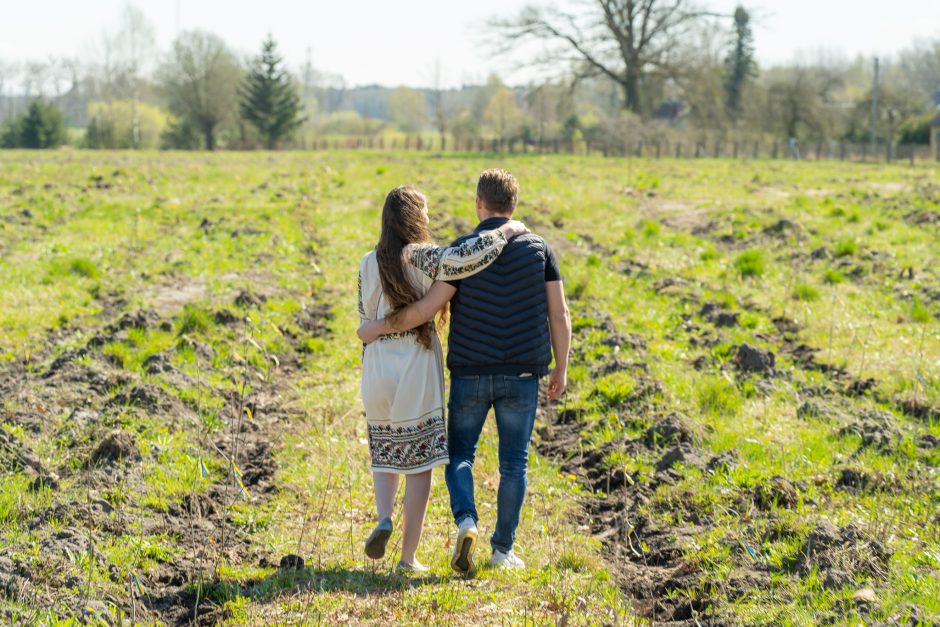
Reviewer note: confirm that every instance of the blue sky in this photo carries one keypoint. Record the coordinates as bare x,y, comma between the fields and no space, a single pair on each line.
395,42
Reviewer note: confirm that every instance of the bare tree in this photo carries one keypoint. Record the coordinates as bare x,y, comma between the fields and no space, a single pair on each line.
624,40
8,73
440,111
34,77
135,46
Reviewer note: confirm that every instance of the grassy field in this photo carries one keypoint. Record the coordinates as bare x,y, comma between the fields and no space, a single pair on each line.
751,435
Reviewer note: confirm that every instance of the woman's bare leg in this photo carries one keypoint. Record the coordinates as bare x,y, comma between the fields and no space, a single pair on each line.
386,485
417,493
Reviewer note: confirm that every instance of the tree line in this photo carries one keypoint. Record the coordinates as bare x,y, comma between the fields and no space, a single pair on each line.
618,70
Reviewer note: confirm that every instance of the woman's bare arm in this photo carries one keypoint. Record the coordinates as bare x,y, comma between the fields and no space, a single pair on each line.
413,316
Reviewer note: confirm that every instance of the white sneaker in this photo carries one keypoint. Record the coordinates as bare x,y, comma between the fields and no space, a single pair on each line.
415,567
507,561
464,546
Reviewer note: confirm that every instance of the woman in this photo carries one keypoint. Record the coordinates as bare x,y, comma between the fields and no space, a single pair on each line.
403,373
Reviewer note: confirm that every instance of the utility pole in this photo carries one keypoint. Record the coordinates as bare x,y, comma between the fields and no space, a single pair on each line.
874,105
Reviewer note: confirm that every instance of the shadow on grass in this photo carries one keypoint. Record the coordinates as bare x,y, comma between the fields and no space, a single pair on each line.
334,578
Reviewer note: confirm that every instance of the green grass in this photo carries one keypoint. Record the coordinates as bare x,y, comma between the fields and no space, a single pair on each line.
293,226
750,263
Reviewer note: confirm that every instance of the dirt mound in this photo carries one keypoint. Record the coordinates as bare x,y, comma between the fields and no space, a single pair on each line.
291,562
115,447
15,578
225,317
776,491
146,396
314,318
158,363
750,359
876,428
860,387
247,299
783,228
919,408
18,455
682,453
723,461
69,543
854,479
842,550
142,319
674,428
718,315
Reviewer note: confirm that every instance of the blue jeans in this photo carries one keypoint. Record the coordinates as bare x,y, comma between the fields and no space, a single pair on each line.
514,399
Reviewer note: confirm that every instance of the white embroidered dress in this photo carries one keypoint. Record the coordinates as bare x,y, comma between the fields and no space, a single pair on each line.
403,382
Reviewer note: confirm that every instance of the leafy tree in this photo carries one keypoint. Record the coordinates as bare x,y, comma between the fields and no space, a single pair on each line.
269,100
40,127
200,81
502,114
407,108
124,124
180,134
740,65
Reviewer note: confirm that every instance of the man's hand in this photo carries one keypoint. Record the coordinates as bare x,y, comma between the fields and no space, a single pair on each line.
557,382
370,331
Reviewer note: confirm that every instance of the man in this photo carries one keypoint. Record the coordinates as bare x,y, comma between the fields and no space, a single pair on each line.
507,321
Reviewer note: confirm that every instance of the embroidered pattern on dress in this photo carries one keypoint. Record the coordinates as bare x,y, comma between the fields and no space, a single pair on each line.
398,335
407,447
483,261
434,261
362,308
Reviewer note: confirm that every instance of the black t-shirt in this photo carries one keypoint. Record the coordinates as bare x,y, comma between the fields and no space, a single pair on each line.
552,271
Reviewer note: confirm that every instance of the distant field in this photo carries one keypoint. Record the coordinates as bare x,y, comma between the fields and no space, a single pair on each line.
751,435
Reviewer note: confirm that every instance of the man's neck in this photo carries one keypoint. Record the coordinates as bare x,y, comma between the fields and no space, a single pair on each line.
493,220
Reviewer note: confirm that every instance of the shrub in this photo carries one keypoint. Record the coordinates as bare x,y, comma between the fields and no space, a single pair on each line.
750,263
193,320
915,131
919,312
708,254
112,125
846,248
805,292
83,267
650,228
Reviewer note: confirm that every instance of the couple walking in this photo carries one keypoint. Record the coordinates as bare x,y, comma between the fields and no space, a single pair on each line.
508,316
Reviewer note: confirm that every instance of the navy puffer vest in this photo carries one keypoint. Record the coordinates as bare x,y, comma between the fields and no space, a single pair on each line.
499,317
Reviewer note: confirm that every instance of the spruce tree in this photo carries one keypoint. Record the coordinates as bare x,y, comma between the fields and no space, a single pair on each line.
41,126
269,100
740,66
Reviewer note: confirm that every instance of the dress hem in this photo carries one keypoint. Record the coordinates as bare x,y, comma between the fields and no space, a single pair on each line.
442,461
